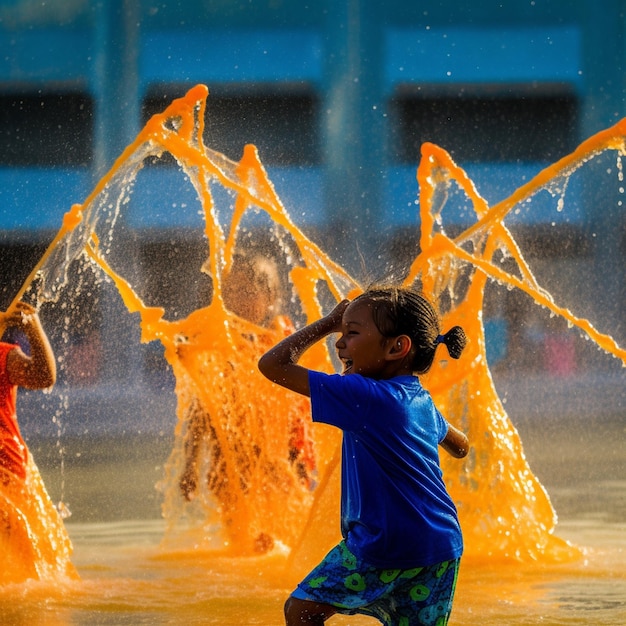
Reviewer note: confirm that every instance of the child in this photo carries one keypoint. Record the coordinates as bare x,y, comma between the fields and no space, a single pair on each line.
236,462
37,371
251,290
33,540
399,557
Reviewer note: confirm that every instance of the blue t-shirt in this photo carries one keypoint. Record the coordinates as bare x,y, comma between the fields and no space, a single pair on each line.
395,510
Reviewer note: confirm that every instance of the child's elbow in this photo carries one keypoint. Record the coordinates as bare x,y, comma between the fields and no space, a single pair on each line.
44,379
462,446
457,446
462,451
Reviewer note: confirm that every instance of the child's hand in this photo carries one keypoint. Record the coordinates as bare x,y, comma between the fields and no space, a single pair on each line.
18,314
280,364
37,370
336,315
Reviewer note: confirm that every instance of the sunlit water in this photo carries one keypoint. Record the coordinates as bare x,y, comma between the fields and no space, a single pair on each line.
519,567
203,589
128,578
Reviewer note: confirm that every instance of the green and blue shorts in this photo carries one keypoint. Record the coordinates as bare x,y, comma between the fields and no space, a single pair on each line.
421,595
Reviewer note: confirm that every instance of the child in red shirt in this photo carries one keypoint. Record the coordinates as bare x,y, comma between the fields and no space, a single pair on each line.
17,369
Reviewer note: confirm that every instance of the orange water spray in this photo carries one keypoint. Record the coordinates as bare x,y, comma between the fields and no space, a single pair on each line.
504,510
33,541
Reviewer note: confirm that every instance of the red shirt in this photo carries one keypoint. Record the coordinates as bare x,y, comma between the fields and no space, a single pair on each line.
13,451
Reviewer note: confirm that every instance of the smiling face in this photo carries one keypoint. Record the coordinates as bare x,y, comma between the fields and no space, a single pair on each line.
361,347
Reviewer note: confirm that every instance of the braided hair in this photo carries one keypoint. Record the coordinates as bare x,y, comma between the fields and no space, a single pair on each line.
402,311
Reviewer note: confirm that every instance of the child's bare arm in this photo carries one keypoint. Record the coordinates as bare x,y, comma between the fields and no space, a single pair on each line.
455,442
37,371
280,363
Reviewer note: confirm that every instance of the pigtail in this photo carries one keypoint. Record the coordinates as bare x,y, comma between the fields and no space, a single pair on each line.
455,340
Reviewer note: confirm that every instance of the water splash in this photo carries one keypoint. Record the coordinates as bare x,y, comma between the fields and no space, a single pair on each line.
504,510
33,541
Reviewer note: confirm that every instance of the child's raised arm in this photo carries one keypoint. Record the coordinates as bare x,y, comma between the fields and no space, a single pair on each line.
280,363
38,370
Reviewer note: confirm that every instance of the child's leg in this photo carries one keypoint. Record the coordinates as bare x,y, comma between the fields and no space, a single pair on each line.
298,612
421,596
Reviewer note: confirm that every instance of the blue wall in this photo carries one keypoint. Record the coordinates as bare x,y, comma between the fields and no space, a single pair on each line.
354,57
364,51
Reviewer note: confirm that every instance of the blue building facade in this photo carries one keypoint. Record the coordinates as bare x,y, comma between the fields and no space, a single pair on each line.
337,96
356,77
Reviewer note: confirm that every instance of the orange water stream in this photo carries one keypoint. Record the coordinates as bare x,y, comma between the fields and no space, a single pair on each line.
505,512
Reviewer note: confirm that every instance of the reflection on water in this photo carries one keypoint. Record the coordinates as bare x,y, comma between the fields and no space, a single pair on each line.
192,589
128,579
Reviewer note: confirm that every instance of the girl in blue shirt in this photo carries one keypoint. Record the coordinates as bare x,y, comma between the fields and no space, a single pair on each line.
399,557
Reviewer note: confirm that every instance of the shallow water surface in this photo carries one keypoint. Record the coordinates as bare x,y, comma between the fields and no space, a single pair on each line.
129,578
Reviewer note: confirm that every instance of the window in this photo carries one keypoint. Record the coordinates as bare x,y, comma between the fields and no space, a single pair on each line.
524,127
283,126
18,260
46,130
